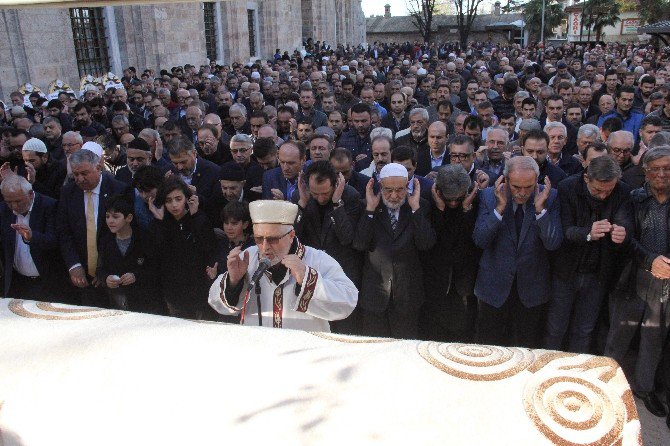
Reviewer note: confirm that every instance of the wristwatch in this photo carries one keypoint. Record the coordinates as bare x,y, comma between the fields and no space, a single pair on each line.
588,237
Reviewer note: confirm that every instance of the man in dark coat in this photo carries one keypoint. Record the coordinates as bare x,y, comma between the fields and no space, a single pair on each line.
81,221
394,229
536,145
343,163
328,214
29,241
594,228
194,171
450,267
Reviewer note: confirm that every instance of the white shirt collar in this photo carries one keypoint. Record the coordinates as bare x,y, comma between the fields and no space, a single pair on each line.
96,189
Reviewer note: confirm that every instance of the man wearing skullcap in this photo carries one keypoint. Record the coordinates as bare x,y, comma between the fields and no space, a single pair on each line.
394,229
45,175
303,289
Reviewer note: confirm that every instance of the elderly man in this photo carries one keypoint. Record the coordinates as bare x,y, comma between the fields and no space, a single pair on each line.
193,170
394,229
417,137
47,177
587,134
450,309
518,224
138,154
29,241
81,220
241,148
281,183
193,120
429,161
497,140
594,228
305,287
644,307
238,119
620,144
558,137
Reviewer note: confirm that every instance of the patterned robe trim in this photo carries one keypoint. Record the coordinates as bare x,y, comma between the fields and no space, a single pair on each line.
308,289
277,306
223,294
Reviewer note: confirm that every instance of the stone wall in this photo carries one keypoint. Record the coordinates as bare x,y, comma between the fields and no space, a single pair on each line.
279,26
496,37
36,54
161,36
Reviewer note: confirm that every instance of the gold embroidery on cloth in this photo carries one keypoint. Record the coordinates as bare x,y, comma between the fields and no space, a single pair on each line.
17,306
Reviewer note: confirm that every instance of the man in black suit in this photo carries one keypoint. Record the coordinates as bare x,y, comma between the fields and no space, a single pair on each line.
81,221
195,171
343,163
29,241
450,267
393,230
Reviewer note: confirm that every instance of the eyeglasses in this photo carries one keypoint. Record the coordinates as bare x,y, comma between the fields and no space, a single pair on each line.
460,156
618,151
260,240
236,151
657,170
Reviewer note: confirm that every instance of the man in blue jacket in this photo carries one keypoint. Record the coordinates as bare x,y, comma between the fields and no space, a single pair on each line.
631,118
518,224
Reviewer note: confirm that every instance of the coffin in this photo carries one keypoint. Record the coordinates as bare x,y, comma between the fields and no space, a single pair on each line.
84,376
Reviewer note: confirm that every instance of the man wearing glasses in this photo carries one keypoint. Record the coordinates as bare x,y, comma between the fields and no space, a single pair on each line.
621,145
462,151
241,148
644,306
303,289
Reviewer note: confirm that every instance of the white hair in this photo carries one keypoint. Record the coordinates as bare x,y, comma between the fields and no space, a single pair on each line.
16,183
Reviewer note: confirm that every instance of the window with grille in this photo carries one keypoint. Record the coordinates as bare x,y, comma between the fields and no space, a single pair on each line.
210,30
90,42
251,22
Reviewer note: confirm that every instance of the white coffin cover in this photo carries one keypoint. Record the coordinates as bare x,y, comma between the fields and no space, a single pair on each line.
80,376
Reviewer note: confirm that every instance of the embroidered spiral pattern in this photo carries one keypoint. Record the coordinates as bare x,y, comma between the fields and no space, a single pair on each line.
54,312
476,362
570,410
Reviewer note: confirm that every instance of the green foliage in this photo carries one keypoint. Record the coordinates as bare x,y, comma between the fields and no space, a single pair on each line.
532,15
598,14
652,11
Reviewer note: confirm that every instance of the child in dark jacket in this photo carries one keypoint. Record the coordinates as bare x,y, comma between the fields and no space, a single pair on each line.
124,265
185,247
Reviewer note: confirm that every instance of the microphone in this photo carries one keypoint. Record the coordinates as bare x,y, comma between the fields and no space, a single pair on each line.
264,264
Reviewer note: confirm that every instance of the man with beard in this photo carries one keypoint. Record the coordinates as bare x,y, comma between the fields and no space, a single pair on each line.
138,154
394,229
193,170
417,138
357,139
47,177
518,224
54,138
82,118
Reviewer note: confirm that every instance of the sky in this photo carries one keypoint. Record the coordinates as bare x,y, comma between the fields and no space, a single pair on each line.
398,7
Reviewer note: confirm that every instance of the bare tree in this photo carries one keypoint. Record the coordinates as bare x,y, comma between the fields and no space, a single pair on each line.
466,13
422,12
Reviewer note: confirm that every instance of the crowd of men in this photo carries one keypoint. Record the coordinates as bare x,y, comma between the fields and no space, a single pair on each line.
524,198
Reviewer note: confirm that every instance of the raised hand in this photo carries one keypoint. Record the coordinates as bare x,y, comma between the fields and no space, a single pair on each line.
24,230
541,197
437,199
414,199
237,267
296,266
482,179
212,271
157,212
158,153
501,193
30,173
467,203
339,188
193,204
303,191
371,199
277,194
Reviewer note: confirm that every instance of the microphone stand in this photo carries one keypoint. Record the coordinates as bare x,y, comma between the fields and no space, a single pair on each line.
258,301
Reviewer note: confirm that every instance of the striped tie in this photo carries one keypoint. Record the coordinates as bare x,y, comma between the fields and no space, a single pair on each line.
394,219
